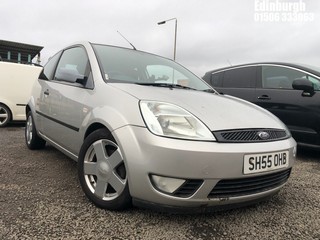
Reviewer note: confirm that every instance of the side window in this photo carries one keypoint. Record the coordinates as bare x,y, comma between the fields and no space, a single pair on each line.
216,79
280,77
73,66
315,81
50,67
240,78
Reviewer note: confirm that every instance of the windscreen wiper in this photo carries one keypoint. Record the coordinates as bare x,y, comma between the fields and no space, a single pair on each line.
210,90
168,85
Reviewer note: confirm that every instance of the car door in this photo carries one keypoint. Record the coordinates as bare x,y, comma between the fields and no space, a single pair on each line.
43,102
239,82
66,95
298,110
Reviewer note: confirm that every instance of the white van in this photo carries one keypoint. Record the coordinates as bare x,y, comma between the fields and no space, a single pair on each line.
16,81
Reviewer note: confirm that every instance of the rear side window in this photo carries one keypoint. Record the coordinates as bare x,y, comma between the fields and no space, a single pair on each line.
240,78
216,79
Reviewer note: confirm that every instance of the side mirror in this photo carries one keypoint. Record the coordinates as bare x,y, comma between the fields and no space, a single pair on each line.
304,85
69,75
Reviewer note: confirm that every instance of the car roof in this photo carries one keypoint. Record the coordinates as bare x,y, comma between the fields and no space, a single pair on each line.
310,69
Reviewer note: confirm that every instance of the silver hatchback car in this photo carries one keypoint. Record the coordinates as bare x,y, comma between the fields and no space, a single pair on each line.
145,130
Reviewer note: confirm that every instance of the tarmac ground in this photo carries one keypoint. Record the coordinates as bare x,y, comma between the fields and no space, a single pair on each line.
41,199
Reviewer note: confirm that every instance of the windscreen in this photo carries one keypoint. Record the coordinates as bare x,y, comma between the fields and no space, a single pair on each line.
131,66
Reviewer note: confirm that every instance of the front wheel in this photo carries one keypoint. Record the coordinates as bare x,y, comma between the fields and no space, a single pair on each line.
102,172
33,140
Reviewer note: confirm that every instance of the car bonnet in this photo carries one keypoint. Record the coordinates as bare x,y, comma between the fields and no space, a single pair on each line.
217,112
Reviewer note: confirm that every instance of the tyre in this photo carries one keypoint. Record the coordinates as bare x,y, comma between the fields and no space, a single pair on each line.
33,140
5,115
102,172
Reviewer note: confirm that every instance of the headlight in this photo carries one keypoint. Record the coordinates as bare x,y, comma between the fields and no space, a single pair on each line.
169,120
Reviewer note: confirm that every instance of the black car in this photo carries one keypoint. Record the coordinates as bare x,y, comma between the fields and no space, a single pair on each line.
289,91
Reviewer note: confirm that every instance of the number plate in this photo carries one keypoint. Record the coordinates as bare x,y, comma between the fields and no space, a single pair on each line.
255,163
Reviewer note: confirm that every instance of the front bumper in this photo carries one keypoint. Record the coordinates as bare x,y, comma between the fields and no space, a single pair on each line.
210,162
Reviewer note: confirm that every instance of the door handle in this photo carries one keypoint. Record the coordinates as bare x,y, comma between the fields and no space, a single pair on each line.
46,92
264,97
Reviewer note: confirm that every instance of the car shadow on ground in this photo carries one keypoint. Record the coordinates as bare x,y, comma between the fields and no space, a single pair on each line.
15,125
308,153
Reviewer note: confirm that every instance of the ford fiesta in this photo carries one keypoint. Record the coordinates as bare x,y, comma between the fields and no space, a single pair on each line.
146,131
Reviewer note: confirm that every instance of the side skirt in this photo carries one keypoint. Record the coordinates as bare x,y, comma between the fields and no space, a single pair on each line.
60,148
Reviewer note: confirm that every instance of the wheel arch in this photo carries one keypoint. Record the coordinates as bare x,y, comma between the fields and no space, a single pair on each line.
28,109
31,105
93,127
110,118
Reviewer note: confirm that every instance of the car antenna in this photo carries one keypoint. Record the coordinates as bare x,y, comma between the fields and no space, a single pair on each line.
127,40
229,62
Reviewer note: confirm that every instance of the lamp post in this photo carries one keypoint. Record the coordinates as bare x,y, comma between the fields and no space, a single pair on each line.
175,34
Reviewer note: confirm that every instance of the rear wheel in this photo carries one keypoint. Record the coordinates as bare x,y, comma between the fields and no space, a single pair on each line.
102,172
33,141
5,115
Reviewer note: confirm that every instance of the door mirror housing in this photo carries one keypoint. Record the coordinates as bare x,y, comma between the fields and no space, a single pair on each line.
303,84
70,75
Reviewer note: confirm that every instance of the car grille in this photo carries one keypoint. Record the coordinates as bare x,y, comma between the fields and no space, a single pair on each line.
188,188
250,185
250,135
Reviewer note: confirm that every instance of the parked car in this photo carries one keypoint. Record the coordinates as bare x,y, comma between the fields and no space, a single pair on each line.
16,81
146,131
289,91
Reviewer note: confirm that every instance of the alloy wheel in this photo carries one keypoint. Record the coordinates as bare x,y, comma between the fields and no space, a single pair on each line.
104,170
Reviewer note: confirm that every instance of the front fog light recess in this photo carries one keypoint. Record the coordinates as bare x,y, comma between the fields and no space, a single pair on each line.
166,184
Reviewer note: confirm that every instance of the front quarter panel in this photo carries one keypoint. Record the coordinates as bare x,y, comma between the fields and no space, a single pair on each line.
111,108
